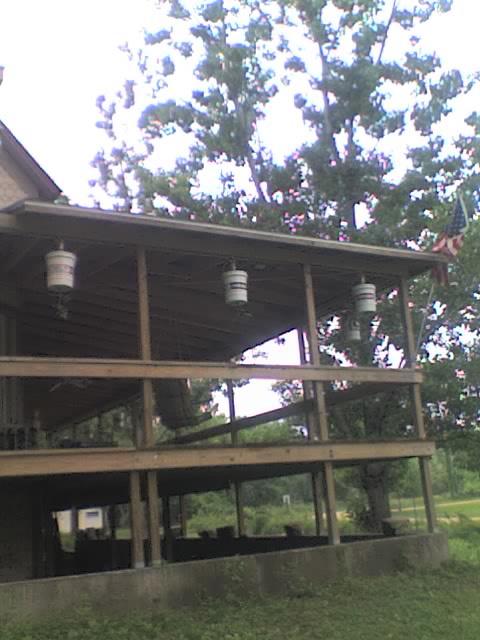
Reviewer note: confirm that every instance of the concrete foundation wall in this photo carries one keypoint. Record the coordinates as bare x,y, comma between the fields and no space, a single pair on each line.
175,585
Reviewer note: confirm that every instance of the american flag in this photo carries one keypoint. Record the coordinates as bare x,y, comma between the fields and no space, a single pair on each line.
450,241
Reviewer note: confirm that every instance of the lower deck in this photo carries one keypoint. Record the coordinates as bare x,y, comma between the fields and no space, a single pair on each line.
34,485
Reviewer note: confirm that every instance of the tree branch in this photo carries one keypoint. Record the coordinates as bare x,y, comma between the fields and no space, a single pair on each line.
326,107
387,29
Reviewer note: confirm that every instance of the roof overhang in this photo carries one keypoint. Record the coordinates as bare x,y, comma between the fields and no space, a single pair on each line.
110,227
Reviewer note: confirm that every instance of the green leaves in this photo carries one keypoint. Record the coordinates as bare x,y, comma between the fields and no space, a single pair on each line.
367,151
214,12
328,52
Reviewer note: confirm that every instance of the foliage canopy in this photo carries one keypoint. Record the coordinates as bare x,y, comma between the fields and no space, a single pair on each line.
317,117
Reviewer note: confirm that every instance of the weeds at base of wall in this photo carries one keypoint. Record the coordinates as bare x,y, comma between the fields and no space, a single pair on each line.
235,576
295,585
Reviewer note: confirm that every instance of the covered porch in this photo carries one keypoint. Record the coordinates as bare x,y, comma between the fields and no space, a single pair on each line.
147,313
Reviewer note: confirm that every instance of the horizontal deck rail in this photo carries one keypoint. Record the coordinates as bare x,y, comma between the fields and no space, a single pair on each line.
75,461
25,367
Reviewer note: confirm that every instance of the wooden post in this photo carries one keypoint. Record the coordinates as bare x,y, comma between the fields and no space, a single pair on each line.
74,521
112,522
167,528
416,404
147,406
145,346
136,520
321,409
153,518
182,507
315,477
237,487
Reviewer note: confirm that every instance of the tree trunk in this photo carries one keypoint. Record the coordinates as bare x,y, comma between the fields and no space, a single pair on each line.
374,481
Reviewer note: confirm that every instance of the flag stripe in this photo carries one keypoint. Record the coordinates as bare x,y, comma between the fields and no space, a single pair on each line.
450,241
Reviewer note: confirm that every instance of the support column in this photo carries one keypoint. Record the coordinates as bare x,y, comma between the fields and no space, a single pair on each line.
112,523
147,406
237,487
310,422
145,346
167,527
416,404
153,519
321,409
182,507
136,521
74,522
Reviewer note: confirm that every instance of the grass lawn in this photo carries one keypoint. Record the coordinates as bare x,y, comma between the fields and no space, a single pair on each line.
447,509
421,606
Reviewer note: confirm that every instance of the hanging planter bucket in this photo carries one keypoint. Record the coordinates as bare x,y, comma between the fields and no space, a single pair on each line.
60,271
353,330
236,291
365,298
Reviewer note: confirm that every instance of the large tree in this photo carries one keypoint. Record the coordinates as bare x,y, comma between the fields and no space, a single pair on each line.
314,117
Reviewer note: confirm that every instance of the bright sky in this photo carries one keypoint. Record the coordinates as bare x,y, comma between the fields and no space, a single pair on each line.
59,56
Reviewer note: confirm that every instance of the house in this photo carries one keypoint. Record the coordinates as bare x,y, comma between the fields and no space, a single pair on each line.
144,310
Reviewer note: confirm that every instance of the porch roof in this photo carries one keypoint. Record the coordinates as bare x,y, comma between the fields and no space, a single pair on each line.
189,318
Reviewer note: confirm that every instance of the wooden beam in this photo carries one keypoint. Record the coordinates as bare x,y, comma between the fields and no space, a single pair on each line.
307,388
333,398
321,406
316,478
237,487
25,367
153,518
112,523
416,404
136,518
318,491
105,460
206,239
145,346
411,356
235,425
147,437
183,512
427,490
167,528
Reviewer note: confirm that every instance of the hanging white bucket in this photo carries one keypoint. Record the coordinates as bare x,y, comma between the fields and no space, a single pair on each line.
365,298
353,330
236,292
60,271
